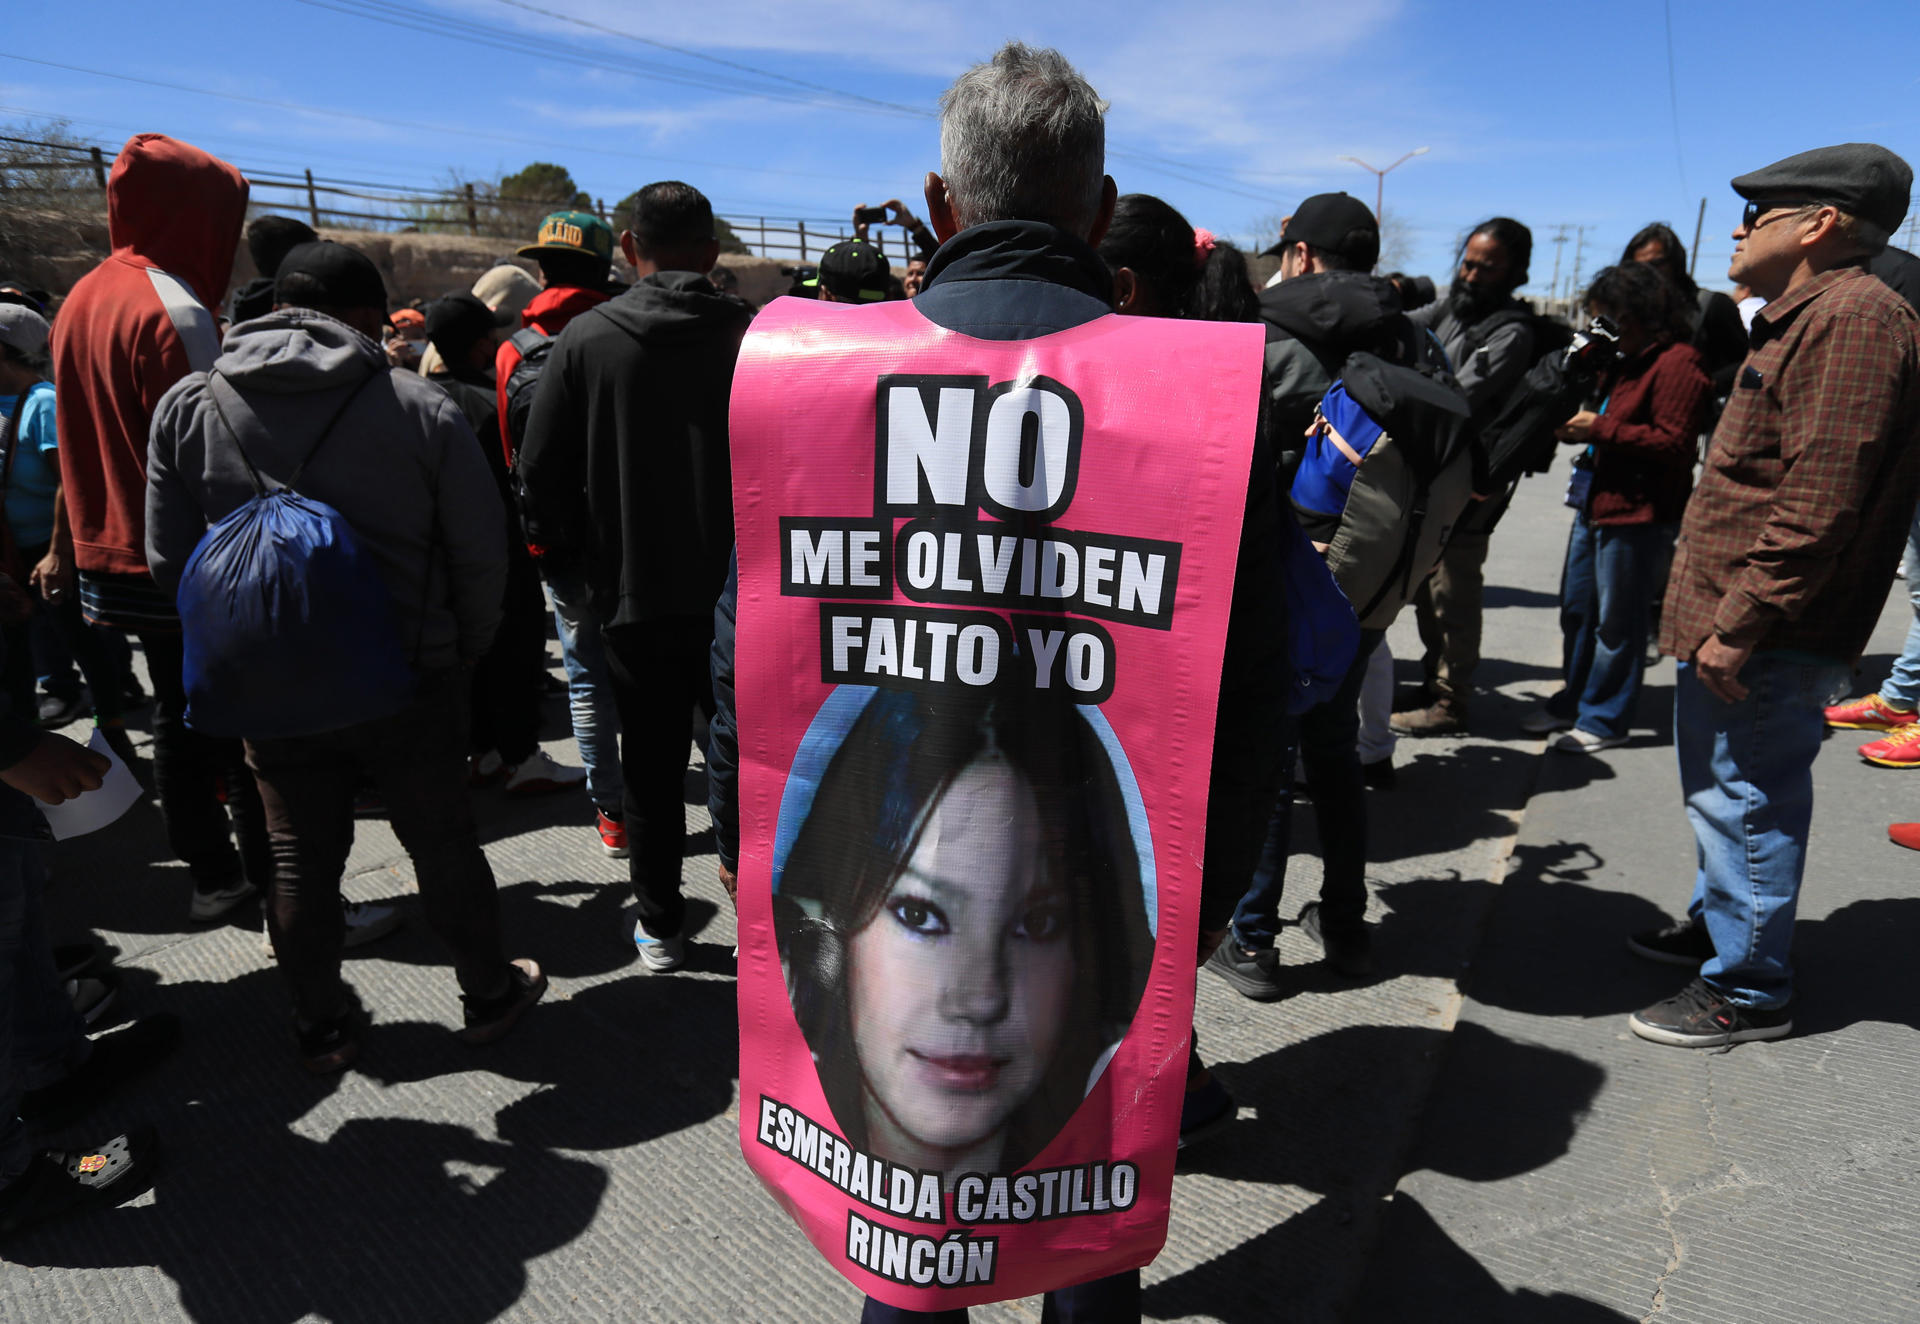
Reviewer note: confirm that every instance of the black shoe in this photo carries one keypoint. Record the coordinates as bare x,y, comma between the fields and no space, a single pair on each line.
59,1182
1380,774
1206,1110
1412,698
74,959
1253,975
1684,943
92,997
55,711
333,1044
1700,1016
1348,950
488,1019
118,1056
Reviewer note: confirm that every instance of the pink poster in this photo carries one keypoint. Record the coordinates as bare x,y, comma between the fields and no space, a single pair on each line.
983,597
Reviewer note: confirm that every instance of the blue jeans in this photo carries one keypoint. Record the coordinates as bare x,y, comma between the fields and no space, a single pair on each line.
1606,596
41,1036
1326,738
1746,770
1113,1300
596,719
1903,685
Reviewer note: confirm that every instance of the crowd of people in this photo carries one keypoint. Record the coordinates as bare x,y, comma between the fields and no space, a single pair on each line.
1743,478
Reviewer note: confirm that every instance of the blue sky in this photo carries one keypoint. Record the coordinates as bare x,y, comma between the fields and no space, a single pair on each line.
1556,114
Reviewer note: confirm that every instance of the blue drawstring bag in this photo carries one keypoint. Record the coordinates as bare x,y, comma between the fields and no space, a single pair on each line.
1322,634
288,628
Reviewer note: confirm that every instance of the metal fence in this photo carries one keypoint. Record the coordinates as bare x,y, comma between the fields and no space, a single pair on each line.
467,208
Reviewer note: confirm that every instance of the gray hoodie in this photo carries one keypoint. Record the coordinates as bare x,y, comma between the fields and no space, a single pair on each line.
401,465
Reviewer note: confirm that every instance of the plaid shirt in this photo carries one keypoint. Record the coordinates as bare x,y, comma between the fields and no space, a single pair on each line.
1803,505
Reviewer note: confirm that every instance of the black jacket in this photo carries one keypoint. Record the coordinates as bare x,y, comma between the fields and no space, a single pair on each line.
625,467
1016,280
1313,323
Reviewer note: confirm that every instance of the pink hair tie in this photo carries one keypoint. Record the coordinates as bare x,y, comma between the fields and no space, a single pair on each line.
1203,242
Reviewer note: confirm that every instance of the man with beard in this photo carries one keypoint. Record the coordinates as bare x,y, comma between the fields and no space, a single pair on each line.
1488,337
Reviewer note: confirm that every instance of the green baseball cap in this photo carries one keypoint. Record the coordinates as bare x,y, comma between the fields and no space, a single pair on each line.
573,232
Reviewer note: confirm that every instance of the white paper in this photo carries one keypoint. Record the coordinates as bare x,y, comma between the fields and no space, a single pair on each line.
97,808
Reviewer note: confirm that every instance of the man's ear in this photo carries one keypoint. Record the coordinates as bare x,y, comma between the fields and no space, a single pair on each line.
940,208
1126,289
629,248
1823,222
1109,196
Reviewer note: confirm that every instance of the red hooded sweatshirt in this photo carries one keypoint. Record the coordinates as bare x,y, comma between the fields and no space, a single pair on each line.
547,312
174,214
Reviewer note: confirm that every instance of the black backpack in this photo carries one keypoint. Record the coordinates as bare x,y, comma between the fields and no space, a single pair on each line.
535,347
1518,438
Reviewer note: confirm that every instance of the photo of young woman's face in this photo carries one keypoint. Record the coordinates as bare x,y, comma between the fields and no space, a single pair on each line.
958,987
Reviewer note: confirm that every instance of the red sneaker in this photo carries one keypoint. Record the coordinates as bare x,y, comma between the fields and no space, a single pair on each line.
613,834
1872,713
1899,750
1905,834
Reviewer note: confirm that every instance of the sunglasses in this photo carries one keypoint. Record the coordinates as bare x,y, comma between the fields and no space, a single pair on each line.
1755,210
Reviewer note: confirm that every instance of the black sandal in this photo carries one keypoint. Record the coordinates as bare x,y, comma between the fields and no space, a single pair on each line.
59,1182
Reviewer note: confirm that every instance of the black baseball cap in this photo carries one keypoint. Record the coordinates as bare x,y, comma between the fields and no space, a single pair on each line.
1861,179
1335,223
347,277
456,321
855,271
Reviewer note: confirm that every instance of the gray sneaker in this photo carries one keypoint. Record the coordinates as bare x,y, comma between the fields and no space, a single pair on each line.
209,906
659,954
368,921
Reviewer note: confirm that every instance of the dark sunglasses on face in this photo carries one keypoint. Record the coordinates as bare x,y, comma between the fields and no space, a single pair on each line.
1755,210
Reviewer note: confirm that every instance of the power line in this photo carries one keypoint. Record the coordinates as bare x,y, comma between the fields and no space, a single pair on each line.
486,135
894,106
522,44
519,43
1673,102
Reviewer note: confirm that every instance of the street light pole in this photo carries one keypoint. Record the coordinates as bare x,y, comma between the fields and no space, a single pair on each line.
1380,178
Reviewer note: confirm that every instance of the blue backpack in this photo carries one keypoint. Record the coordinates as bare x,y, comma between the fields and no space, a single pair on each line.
287,626
1322,632
1389,468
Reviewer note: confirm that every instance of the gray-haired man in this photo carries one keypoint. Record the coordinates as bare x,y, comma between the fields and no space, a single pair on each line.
1021,198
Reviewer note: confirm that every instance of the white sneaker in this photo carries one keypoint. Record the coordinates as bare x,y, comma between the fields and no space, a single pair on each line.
209,906
1542,720
659,954
368,921
1578,741
539,774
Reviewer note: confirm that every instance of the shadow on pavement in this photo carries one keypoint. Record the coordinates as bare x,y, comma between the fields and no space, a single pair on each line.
1855,965
1500,1108
1320,1116
257,1221
1561,945
1444,1283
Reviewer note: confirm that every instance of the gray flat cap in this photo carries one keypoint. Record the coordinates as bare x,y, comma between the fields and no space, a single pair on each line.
23,329
1862,179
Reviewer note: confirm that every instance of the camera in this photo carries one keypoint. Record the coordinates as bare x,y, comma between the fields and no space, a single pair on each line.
869,215
1415,291
1595,348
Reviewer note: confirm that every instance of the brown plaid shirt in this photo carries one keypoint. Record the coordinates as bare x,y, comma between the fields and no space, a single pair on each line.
1804,502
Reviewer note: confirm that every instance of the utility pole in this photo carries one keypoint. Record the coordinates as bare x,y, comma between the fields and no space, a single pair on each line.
1579,248
1693,254
1913,222
1380,178
1559,242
